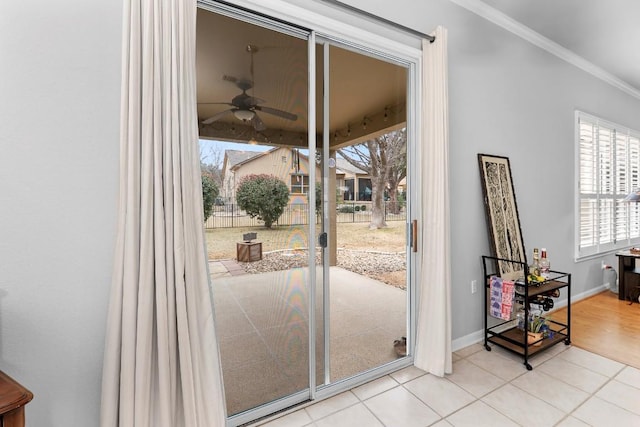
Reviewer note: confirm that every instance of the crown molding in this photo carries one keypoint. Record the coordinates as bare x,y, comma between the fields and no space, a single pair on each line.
495,16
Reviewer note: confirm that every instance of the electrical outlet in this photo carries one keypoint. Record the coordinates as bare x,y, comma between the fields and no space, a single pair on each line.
474,286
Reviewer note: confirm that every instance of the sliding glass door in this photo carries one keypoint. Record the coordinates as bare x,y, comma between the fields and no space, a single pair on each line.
305,140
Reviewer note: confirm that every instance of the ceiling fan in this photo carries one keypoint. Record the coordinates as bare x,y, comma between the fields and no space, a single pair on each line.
244,106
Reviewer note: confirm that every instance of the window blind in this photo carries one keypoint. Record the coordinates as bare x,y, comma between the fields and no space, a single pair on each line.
609,169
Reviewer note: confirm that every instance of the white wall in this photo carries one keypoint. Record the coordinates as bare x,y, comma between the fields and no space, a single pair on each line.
510,98
59,121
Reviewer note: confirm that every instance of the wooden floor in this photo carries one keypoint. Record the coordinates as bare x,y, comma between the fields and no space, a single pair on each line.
607,326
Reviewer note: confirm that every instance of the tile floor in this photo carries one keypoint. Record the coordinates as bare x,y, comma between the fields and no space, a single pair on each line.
567,387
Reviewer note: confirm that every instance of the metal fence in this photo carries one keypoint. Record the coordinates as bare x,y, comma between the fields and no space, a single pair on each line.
230,215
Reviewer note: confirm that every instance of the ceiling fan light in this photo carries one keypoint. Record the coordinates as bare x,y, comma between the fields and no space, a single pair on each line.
244,115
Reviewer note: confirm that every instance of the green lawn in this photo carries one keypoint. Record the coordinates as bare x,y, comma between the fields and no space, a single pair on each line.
221,242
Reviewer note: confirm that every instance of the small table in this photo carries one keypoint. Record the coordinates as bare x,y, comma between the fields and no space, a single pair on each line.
628,274
248,251
13,398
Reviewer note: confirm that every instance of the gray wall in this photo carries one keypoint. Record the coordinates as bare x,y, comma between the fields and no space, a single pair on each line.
508,97
59,121
59,118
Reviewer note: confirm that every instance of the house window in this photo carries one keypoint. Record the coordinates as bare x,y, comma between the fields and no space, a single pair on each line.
349,189
608,170
364,189
299,184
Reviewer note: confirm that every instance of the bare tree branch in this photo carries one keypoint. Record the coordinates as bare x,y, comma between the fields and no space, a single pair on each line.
384,160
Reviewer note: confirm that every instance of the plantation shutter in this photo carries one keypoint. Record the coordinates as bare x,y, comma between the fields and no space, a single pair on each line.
609,166
588,193
621,184
633,178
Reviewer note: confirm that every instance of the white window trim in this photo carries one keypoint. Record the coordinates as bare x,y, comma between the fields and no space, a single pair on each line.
601,248
300,185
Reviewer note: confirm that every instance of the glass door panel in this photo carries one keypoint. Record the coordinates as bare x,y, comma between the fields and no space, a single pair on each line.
253,115
365,144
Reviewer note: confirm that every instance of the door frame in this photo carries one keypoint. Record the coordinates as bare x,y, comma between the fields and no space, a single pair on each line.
344,30
328,389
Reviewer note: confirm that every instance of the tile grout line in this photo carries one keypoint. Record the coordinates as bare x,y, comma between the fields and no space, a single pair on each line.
590,394
476,399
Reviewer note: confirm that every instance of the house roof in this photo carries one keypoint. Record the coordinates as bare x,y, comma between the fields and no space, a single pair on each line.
235,157
346,167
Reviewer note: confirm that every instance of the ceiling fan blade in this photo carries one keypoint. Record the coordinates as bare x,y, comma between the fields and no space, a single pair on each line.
257,123
216,117
279,113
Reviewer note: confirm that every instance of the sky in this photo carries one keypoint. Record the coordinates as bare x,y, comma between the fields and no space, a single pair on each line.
208,148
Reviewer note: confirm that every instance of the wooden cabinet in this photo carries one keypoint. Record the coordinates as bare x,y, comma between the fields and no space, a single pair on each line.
628,273
13,398
505,333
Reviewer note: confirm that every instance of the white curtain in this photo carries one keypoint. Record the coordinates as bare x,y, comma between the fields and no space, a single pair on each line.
433,340
161,364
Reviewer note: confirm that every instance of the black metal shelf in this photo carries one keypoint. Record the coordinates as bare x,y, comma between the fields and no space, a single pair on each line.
511,338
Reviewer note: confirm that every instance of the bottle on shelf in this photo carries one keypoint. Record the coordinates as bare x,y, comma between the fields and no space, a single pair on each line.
545,265
534,268
520,321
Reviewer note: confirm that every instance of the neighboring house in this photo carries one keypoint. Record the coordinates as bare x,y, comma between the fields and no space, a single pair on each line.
287,164
292,167
231,159
354,184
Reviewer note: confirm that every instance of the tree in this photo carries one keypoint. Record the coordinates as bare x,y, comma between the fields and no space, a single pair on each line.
210,191
318,198
398,171
212,171
384,159
262,196
211,162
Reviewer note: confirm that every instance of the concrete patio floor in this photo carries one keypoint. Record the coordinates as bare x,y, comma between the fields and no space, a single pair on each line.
262,327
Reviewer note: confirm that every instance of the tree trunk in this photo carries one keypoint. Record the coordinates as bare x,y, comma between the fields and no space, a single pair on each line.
393,206
377,204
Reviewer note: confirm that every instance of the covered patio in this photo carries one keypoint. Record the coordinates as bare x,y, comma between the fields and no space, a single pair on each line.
262,327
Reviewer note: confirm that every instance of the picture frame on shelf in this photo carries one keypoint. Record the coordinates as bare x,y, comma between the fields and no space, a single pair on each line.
501,211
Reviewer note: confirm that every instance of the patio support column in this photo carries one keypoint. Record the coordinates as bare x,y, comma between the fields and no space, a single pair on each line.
333,244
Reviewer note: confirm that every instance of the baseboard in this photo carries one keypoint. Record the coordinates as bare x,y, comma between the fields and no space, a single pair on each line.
478,336
467,340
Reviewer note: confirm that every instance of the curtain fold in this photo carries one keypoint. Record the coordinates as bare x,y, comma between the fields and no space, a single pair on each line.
433,336
161,363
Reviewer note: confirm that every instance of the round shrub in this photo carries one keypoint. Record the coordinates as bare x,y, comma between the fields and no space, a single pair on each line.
263,196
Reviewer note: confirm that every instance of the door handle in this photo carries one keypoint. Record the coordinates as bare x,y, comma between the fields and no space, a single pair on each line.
414,235
322,240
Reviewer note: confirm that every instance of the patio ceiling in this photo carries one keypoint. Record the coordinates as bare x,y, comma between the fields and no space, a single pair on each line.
368,95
